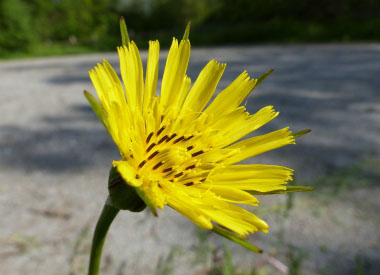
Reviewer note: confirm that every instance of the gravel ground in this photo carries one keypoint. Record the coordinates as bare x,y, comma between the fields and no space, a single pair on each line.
55,157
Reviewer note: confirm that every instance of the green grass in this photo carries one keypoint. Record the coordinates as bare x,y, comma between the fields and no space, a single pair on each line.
49,50
165,265
363,173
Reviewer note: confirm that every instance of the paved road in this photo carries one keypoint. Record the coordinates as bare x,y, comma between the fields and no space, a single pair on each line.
54,154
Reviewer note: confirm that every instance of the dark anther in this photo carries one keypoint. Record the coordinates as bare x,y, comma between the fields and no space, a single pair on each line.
162,118
178,175
197,153
189,183
190,167
153,155
137,176
163,139
131,156
188,138
149,137
171,137
160,131
158,165
178,139
167,170
142,164
203,180
150,147
190,148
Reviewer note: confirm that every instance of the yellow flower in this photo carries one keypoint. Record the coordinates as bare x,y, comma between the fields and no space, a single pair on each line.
177,149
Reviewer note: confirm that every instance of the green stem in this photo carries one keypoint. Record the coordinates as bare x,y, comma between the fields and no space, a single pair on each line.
106,217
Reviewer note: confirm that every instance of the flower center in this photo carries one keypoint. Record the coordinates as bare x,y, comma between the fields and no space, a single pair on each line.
174,156
169,156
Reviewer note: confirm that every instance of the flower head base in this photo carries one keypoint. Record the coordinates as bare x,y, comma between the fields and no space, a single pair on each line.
178,149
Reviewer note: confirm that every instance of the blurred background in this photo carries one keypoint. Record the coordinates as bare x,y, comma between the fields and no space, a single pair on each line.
49,27
55,155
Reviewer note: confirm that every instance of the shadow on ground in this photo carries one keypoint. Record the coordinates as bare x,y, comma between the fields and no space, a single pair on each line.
331,90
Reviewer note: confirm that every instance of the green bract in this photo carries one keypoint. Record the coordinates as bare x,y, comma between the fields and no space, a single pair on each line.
123,196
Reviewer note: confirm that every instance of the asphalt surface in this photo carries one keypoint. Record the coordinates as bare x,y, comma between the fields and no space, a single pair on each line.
55,156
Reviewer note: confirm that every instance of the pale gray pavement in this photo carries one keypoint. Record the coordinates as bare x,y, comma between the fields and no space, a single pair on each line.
55,156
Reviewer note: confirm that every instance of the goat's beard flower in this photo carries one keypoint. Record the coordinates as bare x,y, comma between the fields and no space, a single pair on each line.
177,149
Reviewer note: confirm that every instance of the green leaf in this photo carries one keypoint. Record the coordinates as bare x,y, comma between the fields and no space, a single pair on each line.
150,205
289,189
187,31
301,133
235,238
262,77
124,32
97,108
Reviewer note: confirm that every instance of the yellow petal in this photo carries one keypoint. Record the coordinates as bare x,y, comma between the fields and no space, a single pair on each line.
132,74
252,177
238,124
151,73
233,217
204,87
107,85
111,95
260,144
230,193
252,171
187,206
183,92
175,71
241,213
154,193
128,173
215,155
232,96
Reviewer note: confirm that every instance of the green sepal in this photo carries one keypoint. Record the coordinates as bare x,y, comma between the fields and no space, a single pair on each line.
124,32
150,205
187,31
122,195
301,133
262,77
236,238
289,189
299,188
97,108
